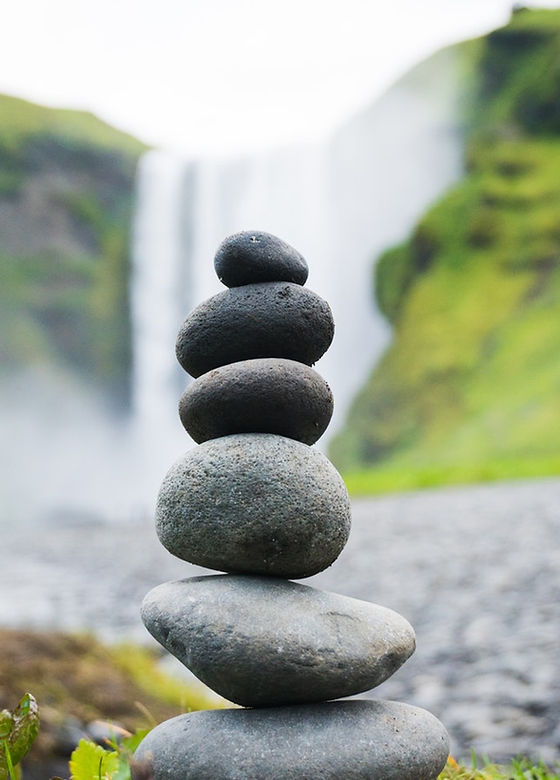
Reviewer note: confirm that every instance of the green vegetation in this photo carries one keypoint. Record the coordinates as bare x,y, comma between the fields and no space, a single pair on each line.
18,731
519,769
469,388
79,677
21,121
66,192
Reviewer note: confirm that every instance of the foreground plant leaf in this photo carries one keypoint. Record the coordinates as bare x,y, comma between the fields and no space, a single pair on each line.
18,730
91,762
25,727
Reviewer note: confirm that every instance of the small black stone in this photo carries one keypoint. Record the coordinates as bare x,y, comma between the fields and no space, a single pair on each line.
273,319
266,395
251,257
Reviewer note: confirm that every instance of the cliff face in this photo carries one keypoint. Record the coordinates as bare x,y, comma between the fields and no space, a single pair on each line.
473,372
66,196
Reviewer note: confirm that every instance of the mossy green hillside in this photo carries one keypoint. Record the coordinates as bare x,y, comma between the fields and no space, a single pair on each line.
470,384
66,198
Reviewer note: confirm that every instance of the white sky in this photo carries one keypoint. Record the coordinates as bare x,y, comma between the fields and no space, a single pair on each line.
222,76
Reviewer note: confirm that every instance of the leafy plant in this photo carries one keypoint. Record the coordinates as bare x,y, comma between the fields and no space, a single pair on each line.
93,762
519,769
18,730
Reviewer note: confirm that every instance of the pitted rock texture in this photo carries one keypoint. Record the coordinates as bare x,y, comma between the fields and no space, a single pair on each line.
273,319
251,257
266,395
354,740
254,502
263,641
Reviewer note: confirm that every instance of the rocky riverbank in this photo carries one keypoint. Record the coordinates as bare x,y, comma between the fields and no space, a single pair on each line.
475,570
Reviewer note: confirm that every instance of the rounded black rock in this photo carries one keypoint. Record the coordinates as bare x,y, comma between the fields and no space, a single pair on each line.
265,395
255,256
273,319
254,502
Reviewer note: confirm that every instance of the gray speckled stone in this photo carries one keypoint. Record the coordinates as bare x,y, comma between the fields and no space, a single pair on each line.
273,319
346,740
254,502
262,641
266,395
254,256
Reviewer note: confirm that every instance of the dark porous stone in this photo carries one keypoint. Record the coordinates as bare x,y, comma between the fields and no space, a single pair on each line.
266,395
254,502
343,740
262,641
251,257
273,319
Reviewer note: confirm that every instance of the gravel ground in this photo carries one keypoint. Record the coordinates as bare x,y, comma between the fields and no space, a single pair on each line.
475,570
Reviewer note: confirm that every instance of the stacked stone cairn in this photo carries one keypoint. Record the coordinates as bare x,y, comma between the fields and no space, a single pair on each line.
255,500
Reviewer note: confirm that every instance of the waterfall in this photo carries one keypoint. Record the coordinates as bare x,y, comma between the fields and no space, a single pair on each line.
339,202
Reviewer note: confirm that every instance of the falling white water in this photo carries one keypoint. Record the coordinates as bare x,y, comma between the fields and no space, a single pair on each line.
340,203
157,307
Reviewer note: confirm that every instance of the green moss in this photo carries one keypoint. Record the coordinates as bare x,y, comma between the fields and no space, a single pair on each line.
469,388
65,301
22,120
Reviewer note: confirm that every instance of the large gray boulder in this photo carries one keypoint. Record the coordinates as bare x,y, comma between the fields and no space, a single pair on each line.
346,740
255,503
263,641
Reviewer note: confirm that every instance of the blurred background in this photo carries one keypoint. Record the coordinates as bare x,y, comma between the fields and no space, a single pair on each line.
410,151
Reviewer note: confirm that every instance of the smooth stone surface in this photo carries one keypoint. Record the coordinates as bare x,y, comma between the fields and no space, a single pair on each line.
254,502
253,256
261,641
346,740
266,395
273,319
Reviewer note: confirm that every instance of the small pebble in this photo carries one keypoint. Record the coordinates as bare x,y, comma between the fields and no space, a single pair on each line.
251,257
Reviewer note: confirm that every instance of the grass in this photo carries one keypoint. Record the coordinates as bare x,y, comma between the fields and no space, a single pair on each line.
518,769
399,477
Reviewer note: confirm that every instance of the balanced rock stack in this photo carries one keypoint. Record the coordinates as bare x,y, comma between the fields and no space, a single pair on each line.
257,501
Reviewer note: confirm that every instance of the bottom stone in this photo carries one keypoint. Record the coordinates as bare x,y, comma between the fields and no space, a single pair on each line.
377,740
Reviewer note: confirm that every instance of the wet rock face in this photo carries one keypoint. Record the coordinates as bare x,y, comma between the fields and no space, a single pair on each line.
251,257
261,642
276,319
354,740
254,503
267,395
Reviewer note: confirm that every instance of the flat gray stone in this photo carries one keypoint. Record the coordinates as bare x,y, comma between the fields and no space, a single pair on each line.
273,319
343,740
260,641
266,395
254,502
254,256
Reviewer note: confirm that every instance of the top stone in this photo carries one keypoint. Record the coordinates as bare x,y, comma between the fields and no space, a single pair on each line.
253,257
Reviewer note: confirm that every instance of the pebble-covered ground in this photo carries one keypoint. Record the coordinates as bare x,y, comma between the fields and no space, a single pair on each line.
476,571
